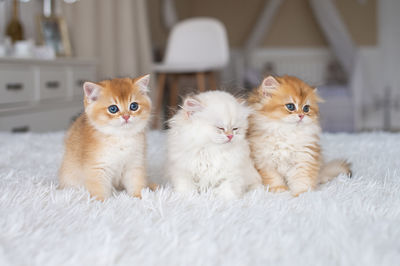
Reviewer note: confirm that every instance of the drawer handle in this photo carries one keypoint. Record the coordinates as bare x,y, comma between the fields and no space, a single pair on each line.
21,129
14,86
52,84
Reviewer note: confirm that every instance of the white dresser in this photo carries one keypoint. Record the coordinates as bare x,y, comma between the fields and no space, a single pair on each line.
42,95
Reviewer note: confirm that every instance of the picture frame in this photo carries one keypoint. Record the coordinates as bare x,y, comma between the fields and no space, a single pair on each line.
53,32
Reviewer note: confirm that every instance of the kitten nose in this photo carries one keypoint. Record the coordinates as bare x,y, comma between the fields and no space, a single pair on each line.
230,136
301,116
126,117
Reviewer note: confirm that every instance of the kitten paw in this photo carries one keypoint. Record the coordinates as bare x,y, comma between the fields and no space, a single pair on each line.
137,195
228,193
153,186
99,198
229,196
297,193
277,189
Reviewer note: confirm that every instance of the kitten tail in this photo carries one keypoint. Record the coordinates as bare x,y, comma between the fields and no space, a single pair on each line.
334,168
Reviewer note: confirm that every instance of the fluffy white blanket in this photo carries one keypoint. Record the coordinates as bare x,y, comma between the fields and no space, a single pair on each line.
346,222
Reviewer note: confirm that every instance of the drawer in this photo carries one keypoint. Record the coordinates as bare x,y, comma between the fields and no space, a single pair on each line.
79,76
53,83
50,120
16,85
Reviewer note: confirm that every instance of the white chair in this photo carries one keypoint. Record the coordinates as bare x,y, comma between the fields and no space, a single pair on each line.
196,46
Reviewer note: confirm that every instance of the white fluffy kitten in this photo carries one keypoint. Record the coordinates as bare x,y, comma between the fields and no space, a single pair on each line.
207,146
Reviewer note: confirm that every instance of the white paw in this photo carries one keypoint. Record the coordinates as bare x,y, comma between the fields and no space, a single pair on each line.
186,187
228,193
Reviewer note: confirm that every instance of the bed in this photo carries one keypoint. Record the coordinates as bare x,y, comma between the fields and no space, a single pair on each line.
345,222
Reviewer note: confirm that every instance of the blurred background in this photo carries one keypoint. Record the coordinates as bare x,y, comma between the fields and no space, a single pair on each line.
349,49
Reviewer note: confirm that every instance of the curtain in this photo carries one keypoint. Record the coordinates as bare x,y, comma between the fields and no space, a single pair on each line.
115,33
263,24
244,72
348,55
170,18
4,13
335,32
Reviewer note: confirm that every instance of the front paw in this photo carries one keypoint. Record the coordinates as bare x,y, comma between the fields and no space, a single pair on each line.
278,189
153,186
298,188
99,197
184,186
137,195
228,194
296,193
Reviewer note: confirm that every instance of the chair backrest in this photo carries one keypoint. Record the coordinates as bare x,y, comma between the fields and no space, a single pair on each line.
198,40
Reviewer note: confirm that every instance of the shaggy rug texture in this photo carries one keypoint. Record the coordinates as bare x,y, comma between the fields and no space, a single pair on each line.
345,222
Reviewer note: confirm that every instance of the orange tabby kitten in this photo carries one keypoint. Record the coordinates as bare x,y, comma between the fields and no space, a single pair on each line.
284,136
105,146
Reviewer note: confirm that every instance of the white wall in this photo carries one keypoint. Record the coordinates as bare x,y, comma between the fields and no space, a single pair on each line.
309,64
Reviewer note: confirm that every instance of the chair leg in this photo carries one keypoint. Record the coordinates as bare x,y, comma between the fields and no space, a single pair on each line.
201,81
213,80
159,100
173,95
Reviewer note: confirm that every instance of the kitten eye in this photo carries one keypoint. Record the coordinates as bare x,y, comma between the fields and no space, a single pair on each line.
290,106
235,128
221,128
134,106
113,109
306,108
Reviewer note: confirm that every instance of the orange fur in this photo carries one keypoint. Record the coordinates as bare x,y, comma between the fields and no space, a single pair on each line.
153,186
274,106
285,143
100,151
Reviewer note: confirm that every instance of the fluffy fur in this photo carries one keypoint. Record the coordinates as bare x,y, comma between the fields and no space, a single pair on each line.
346,222
207,146
284,136
105,150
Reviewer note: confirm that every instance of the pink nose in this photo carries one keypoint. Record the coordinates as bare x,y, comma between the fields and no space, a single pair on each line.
229,137
301,117
126,117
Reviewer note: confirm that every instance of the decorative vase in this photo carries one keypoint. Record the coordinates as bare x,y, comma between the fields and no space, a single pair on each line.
14,28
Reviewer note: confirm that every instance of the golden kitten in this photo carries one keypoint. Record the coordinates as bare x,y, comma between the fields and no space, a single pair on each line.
284,135
105,146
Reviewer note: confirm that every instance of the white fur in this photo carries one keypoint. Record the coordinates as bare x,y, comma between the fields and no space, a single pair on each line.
282,145
348,221
200,155
120,157
284,142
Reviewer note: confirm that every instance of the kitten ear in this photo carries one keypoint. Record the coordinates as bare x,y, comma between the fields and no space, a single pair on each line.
268,85
92,91
143,83
317,97
191,105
